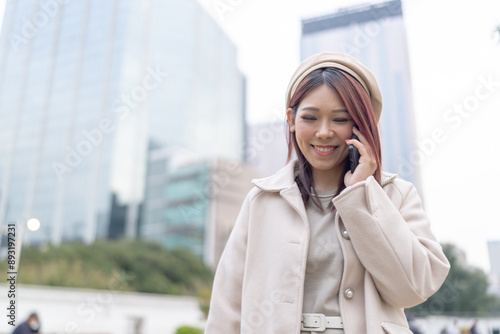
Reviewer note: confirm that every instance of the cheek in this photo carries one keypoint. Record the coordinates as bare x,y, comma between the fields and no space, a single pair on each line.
345,133
303,132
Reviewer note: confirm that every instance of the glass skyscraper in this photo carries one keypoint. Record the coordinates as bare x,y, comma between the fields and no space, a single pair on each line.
376,35
86,86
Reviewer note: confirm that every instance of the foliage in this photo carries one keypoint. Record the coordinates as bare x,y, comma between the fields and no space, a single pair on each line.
188,330
204,296
464,291
127,265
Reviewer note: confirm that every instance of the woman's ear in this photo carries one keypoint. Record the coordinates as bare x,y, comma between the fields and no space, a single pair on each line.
291,120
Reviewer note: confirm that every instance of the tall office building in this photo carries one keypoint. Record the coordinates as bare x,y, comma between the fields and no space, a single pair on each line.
494,276
85,86
376,35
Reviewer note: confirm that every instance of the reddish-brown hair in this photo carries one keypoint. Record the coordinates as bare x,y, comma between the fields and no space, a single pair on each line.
358,105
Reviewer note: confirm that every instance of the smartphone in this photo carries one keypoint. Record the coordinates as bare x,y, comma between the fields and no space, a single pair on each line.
353,155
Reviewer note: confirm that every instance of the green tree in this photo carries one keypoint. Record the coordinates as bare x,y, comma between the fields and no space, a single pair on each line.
463,292
188,330
204,296
127,265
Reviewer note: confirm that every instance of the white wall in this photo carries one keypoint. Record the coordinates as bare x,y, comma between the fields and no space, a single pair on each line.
68,310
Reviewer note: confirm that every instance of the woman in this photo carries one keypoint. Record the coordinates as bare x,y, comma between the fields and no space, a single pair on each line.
317,248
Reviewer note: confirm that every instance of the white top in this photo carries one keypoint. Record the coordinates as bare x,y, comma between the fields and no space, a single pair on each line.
325,262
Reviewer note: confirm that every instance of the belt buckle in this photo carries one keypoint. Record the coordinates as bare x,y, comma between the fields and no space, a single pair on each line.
313,322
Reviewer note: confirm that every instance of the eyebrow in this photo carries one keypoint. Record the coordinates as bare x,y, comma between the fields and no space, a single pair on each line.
317,109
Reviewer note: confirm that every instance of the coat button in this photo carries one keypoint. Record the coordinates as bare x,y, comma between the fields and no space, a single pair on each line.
348,293
345,234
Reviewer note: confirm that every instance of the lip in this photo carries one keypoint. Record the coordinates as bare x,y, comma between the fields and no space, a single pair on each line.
324,146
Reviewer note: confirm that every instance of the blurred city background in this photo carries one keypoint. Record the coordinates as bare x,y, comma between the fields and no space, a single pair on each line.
130,131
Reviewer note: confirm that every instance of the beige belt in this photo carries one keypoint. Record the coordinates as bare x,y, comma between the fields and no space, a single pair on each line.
317,322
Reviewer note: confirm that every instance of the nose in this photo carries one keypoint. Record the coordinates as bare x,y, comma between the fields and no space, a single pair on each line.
325,131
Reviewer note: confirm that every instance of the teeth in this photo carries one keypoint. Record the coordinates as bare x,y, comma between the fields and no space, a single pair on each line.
324,149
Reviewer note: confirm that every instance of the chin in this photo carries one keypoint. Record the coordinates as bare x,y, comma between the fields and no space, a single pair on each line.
324,166
329,166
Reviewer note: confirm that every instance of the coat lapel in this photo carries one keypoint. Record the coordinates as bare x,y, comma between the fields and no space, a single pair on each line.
284,183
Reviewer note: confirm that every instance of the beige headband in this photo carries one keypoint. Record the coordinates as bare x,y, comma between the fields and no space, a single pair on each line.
343,62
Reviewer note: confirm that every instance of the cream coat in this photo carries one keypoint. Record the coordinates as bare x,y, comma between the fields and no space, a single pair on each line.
391,258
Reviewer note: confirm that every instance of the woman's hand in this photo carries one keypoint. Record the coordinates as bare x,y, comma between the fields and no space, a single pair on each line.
367,164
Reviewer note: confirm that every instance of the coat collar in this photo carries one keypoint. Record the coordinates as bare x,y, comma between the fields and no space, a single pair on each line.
284,183
387,178
285,178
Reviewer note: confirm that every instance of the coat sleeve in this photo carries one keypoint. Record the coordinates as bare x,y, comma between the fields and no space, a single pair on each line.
225,306
393,240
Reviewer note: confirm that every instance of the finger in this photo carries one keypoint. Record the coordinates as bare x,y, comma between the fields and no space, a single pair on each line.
360,146
360,135
362,139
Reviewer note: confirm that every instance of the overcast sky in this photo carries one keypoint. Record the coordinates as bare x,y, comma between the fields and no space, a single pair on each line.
455,69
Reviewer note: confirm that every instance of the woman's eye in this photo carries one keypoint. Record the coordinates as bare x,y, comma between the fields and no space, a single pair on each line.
308,118
341,120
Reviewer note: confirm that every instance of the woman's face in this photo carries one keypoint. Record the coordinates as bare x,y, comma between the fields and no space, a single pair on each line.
321,125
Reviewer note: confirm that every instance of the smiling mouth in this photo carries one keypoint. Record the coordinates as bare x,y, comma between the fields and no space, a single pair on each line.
324,148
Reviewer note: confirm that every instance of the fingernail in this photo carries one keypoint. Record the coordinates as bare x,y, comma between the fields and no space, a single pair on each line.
347,140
